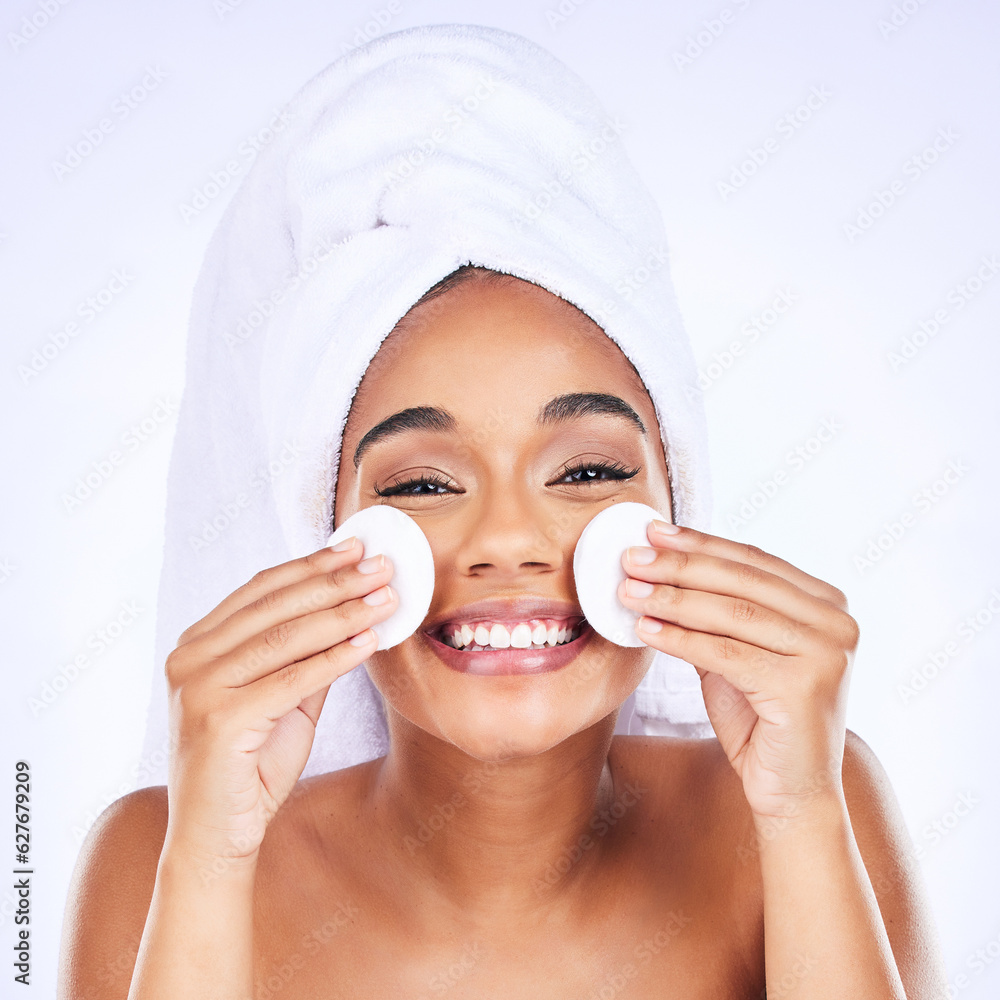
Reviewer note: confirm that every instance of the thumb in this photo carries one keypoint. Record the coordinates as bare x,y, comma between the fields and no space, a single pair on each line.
313,705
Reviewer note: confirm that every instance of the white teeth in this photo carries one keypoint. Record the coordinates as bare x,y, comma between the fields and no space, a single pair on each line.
499,636
520,638
524,635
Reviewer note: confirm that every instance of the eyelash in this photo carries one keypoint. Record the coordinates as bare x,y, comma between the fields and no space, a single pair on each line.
617,470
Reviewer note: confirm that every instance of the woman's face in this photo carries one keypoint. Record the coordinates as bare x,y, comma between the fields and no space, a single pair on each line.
503,376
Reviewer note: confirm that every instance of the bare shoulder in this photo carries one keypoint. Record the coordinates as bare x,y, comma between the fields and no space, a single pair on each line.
888,855
109,896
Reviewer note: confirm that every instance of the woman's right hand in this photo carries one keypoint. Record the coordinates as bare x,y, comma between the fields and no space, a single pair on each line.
246,687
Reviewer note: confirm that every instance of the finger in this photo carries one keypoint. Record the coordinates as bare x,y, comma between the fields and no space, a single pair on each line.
689,540
297,684
717,614
274,578
274,608
313,704
733,717
288,643
714,574
746,667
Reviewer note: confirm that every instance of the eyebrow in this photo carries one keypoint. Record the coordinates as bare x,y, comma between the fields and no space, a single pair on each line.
569,406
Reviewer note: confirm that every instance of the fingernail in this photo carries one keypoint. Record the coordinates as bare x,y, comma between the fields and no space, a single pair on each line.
372,564
664,528
645,624
347,543
362,638
638,588
376,597
639,555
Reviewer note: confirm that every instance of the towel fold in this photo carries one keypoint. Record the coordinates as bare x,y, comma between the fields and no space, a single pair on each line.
421,151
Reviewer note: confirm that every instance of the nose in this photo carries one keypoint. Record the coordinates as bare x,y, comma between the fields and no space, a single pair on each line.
512,534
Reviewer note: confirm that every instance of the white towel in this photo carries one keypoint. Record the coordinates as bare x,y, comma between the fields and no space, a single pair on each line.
421,151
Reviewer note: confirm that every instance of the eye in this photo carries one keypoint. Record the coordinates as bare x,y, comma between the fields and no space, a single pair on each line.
588,472
416,487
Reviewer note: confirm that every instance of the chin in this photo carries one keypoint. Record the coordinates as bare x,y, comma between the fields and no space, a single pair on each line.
493,718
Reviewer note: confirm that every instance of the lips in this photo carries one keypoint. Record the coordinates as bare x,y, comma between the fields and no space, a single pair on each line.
494,662
506,610
514,620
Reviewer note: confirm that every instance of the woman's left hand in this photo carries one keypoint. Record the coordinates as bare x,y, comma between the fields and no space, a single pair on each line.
773,647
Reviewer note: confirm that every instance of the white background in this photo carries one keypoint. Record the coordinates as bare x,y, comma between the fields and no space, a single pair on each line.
856,296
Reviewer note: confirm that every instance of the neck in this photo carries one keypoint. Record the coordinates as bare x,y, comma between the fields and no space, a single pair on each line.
507,837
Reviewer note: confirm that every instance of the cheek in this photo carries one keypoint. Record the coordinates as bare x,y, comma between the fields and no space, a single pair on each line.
606,671
391,673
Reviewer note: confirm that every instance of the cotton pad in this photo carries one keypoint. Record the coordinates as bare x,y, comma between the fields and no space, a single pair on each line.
387,530
597,568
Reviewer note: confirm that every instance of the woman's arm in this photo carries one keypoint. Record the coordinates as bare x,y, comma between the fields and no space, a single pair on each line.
774,648
844,908
198,939
148,917
247,684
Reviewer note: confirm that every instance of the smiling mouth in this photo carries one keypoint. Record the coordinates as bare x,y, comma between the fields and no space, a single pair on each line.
491,636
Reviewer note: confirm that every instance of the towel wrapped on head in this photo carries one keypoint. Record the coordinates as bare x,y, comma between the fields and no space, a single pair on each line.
420,152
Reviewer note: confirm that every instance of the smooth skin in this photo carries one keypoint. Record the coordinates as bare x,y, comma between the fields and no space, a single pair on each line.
509,844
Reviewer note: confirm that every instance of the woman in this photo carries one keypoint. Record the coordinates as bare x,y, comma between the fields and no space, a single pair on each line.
508,842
